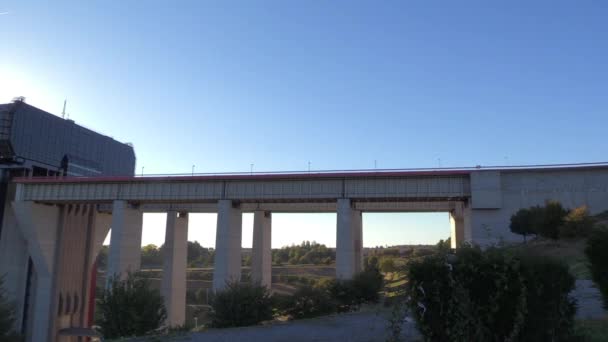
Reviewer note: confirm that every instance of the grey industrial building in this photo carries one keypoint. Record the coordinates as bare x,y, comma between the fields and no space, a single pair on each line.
35,143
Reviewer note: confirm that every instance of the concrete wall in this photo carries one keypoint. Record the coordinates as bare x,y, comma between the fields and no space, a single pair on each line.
493,206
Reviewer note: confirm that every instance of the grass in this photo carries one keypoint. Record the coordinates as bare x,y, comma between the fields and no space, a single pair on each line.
592,330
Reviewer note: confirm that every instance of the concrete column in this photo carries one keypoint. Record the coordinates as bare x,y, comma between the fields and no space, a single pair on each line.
39,225
349,256
174,268
125,242
43,318
456,229
261,260
460,224
227,245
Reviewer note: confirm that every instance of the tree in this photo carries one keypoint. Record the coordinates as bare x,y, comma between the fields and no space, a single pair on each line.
553,219
130,307
545,221
523,222
151,256
578,223
305,253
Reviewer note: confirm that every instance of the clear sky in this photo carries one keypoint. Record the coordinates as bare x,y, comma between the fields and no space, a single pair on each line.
225,84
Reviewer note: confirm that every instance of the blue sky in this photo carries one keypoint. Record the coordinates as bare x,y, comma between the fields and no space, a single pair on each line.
225,84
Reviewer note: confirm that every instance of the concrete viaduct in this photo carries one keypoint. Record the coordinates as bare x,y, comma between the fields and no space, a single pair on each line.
63,222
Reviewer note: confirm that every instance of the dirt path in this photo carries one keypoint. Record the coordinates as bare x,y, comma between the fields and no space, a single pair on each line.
365,326
589,300
356,327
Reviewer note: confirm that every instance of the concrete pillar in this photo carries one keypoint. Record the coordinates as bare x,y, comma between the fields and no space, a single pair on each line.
460,224
39,225
125,242
44,317
227,245
174,268
261,260
349,246
457,230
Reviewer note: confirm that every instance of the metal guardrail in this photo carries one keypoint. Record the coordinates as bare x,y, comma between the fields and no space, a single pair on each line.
421,169
337,172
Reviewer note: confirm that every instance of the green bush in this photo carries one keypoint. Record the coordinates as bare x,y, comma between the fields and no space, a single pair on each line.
554,215
549,310
597,254
490,295
130,307
344,295
7,317
387,264
309,302
240,304
368,284
578,223
348,295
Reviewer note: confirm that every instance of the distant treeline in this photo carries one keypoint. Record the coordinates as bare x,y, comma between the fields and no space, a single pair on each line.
308,252
199,256
305,253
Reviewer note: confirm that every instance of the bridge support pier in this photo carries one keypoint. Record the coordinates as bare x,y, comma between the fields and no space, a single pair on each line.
261,259
125,240
39,226
460,225
174,267
349,240
227,244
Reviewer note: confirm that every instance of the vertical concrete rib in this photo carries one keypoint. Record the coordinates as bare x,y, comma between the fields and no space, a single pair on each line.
227,245
349,236
174,267
261,260
125,242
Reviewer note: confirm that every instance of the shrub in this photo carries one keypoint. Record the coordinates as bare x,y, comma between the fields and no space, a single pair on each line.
490,295
7,317
344,294
368,284
240,304
553,218
549,309
309,302
130,307
597,254
387,264
578,223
